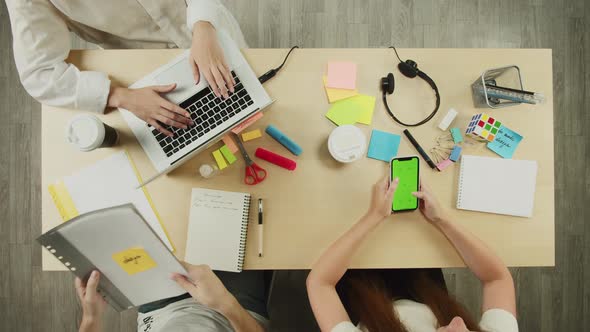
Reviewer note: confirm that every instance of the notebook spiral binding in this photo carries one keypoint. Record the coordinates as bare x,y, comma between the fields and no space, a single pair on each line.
244,232
459,193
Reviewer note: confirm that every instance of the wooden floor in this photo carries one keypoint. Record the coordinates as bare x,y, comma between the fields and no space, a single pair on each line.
549,299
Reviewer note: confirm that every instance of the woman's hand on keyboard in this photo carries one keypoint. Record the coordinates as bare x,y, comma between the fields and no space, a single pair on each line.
206,58
148,105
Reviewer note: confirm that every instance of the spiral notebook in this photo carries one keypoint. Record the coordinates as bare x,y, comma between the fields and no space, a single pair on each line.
496,185
134,262
217,229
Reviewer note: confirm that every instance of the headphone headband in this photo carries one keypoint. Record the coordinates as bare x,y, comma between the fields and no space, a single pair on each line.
408,68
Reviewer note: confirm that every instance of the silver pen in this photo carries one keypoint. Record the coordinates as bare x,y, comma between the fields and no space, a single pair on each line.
260,228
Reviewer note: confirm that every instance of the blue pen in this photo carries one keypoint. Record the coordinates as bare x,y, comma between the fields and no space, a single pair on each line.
284,140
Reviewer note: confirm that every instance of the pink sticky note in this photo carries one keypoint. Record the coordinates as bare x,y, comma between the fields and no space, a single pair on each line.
341,75
231,145
246,123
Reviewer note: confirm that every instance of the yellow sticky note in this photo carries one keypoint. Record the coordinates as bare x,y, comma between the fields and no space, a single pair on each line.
134,260
337,94
352,110
251,135
219,159
228,154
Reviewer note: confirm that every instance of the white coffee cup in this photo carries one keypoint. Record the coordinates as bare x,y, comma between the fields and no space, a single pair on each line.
347,143
87,133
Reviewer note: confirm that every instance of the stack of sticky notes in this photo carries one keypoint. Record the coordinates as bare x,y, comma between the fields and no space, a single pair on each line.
340,82
223,154
383,145
352,110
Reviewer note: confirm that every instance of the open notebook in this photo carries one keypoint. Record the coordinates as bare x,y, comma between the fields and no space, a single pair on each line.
217,229
109,182
496,185
134,263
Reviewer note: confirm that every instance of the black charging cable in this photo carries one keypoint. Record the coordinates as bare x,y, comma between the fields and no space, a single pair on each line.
271,73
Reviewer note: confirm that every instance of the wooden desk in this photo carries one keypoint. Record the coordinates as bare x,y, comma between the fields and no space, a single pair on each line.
307,209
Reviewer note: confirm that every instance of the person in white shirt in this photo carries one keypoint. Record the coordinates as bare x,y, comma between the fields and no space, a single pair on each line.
214,302
407,300
41,44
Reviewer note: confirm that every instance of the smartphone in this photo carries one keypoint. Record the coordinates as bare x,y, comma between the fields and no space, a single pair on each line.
407,169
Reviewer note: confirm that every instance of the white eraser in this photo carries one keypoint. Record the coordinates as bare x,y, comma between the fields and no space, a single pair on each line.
448,119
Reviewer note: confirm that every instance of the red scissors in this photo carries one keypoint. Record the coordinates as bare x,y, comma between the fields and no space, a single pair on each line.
254,173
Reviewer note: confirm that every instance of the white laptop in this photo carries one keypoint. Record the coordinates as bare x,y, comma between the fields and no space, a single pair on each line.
213,117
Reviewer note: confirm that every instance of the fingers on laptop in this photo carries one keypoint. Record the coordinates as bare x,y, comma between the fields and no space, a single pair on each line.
159,127
177,110
195,70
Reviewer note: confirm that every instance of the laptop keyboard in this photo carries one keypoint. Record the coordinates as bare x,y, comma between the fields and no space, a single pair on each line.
207,111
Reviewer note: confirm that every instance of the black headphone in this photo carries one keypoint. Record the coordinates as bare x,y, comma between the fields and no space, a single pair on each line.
408,68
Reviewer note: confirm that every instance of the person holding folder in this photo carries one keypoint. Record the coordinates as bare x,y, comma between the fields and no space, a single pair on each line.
41,44
214,302
408,300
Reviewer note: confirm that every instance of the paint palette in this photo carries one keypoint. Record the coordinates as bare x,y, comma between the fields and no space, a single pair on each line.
483,127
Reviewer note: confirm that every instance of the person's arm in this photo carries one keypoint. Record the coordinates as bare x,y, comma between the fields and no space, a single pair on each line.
498,286
41,44
206,58
331,266
93,305
204,286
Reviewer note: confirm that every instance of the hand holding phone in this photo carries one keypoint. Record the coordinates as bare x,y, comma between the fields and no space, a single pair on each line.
407,169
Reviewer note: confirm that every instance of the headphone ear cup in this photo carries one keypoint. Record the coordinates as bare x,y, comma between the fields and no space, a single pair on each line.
388,84
409,68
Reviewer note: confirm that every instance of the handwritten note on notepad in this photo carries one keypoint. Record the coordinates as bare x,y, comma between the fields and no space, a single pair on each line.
352,110
383,145
337,94
342,75
134,260
505,142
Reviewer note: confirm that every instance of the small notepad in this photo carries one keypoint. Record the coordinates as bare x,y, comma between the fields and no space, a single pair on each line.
217,229
495,185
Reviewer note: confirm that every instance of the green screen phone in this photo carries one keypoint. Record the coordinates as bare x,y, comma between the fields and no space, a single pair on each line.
407,170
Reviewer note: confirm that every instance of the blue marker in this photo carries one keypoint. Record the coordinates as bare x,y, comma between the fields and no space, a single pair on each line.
284,140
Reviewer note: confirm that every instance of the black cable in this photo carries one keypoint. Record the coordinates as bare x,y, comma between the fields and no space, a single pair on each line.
395,50
271,73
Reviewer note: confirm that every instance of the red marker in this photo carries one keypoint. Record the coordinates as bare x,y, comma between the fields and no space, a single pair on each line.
276,159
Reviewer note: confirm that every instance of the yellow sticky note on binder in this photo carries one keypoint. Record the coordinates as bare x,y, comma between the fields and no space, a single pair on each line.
63,201
219,159
134,260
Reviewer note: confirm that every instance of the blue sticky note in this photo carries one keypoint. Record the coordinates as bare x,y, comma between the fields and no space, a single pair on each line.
383,145
505,142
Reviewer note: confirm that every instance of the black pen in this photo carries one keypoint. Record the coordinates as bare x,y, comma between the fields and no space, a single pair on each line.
260,228
420,150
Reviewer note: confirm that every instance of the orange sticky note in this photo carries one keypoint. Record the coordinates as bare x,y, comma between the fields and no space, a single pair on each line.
229,142
251,135
341,75
246,123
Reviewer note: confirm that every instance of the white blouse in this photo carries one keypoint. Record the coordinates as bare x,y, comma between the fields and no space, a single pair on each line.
41,40
417,317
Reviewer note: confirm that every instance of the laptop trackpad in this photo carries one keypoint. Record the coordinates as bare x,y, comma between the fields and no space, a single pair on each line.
181,74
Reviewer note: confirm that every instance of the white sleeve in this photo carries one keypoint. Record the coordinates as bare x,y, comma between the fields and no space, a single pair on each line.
204,10
345,327
498,320
41,43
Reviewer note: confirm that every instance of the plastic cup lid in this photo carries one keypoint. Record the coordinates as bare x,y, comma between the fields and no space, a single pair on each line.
347,143
86,132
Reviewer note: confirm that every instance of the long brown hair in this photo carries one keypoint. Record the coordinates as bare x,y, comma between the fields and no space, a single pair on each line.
368,296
